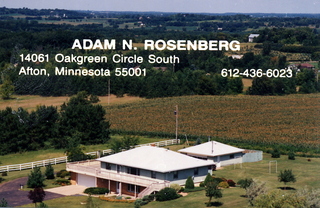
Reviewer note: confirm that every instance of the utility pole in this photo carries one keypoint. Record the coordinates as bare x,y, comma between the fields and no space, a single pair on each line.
176,114
109,91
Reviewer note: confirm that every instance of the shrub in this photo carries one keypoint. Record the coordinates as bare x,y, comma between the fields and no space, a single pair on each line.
182,189
113,199
217,180
167,194
291,156
139,202
231,183
62,182
208,179
49,173
223,184
96,190
175,186
189,183
202,184
35,179
275,153
63,173
245,183
194,189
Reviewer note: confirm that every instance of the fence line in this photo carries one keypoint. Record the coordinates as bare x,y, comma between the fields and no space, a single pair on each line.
54,161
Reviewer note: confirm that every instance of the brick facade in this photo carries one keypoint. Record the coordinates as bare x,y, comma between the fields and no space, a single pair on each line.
73,179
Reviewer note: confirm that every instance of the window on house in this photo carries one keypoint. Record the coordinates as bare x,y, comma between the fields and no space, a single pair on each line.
108,166
231,156
133,188
196,171
118,168
153,174
175,174
133,171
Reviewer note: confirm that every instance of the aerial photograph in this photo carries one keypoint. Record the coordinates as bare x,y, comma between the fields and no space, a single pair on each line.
149,103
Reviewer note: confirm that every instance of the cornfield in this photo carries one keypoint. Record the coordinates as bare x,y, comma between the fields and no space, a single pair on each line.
284,120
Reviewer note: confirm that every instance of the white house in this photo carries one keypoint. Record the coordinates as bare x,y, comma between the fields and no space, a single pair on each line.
139,171
222,154
251,37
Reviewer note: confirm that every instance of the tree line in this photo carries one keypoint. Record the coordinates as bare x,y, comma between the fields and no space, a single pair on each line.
79,121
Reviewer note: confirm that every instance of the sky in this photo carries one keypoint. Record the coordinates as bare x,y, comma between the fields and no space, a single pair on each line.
188,6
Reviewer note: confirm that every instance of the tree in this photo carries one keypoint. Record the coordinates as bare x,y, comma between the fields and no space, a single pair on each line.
6,89
36,195
245,183
74,148
255,189
125,143
49,172
208,179
189,183
266,48
291,155
275,153
80,115
35,179
261,86
3,203
276,198
129,142
212,190
286,176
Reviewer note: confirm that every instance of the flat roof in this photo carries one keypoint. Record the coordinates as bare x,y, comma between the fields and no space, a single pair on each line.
155,159
212,149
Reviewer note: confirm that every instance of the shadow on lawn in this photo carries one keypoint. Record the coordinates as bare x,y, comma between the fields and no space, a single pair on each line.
286,188
214,204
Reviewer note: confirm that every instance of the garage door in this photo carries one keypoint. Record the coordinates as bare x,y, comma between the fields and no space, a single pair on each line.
84,180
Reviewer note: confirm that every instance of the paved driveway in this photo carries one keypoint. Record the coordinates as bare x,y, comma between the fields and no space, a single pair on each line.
15,197
67,190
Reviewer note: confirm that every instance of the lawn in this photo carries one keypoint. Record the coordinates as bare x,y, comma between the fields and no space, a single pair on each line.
306,173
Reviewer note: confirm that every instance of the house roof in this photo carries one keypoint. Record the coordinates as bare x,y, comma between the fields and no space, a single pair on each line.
306,65
155,159
211,149
253,35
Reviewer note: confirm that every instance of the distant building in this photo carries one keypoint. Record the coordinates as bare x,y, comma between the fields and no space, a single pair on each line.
251,37
236,56
306,66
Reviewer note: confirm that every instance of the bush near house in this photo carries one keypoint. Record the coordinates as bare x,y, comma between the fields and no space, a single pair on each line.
231,183
62,182
223,184
96,190
167,194
63,173
189,183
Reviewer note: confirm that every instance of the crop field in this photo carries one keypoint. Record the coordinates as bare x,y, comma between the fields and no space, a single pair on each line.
263,120
287,120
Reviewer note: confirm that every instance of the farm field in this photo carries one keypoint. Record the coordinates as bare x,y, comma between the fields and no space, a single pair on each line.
266,120
30,102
